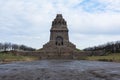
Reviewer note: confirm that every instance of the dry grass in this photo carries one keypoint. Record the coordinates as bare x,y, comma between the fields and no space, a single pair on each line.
10,58
111,57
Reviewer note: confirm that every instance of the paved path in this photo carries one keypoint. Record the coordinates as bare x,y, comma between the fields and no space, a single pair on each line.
60,70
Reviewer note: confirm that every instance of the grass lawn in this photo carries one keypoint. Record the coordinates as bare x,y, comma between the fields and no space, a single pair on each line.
5,58
115,57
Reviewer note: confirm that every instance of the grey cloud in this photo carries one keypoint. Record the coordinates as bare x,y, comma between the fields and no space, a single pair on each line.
29,21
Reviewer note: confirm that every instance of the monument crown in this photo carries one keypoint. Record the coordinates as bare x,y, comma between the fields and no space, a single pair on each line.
59,16
59,20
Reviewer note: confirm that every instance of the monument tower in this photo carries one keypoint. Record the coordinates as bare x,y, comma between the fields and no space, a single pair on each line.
59,45
59,31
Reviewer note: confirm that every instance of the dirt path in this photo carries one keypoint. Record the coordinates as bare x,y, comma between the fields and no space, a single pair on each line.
60,70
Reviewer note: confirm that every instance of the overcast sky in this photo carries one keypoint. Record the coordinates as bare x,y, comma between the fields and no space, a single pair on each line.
90,22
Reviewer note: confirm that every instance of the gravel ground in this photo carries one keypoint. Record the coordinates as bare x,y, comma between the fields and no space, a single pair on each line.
60,70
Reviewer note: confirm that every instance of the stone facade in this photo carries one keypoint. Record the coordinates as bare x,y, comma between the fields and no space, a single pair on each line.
59,45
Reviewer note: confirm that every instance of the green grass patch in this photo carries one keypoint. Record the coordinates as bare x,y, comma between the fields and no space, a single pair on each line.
78,49
111,57
10,57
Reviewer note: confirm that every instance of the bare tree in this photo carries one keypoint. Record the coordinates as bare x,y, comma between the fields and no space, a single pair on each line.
9,46
1,47
15,47
112,47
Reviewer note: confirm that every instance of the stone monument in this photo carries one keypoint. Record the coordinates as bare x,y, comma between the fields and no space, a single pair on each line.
59,45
